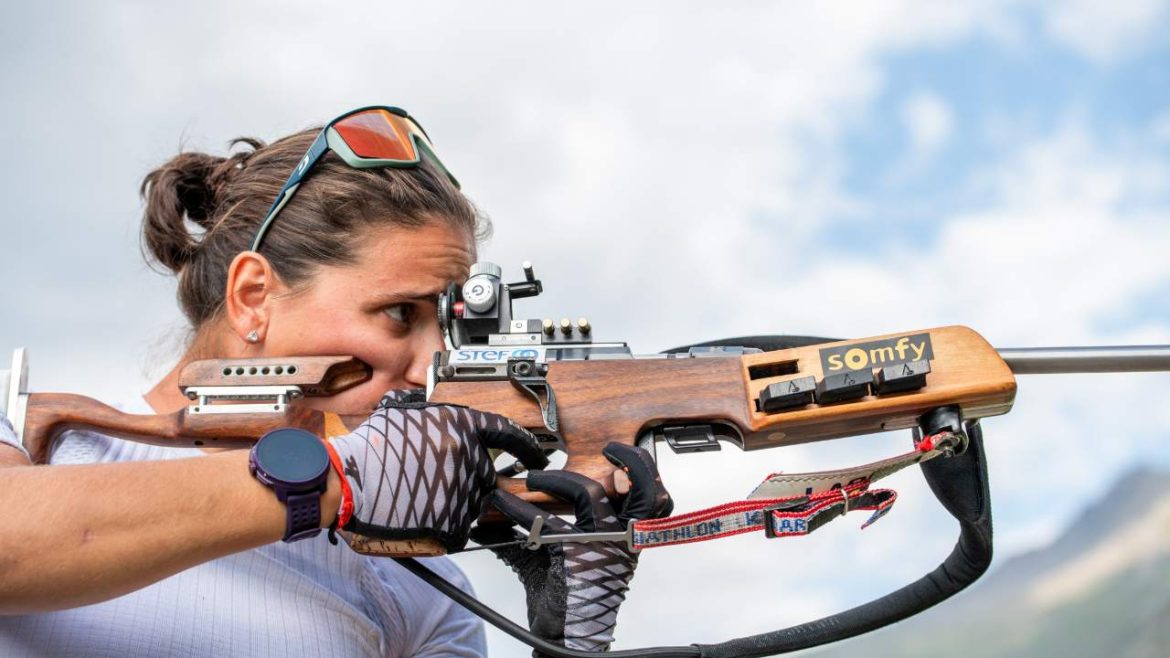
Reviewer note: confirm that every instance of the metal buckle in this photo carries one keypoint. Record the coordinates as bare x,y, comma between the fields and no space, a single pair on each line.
534,540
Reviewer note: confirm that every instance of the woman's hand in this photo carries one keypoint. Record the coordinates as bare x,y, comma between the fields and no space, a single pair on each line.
574,589
418,470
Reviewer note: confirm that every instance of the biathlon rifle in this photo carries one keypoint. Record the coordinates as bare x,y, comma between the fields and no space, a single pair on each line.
577,394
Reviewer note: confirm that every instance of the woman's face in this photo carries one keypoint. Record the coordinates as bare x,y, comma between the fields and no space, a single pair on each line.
381,309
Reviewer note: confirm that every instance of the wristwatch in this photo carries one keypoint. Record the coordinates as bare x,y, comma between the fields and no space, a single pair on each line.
295,465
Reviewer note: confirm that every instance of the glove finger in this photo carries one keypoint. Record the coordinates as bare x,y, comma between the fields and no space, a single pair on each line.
591,505
648,497
523,513
503,434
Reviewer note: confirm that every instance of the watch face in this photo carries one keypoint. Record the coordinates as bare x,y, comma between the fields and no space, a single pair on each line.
292,456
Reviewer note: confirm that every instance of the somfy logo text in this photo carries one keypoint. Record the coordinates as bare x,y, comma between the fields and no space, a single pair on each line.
877,353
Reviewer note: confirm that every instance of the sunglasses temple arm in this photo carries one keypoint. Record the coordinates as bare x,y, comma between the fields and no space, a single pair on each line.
424,148
285,195
318,149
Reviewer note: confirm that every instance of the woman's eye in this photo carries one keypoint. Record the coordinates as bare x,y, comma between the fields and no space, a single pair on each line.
400,313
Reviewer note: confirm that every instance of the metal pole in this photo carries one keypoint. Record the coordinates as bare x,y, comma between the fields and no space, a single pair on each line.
1064,360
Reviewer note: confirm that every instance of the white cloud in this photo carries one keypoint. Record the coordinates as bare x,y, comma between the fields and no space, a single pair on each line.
1105,31
929,121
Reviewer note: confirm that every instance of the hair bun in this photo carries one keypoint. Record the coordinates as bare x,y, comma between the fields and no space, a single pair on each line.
187,188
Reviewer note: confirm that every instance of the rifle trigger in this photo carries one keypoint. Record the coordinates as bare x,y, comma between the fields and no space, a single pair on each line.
690,438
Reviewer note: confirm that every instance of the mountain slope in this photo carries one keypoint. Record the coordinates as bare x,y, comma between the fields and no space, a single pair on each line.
1101,589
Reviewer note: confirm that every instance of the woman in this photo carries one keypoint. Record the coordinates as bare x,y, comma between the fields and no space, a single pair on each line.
169,554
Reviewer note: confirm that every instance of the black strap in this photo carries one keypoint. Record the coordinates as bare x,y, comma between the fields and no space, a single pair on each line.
765,343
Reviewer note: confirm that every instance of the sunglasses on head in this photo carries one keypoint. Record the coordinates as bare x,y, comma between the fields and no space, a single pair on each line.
365,138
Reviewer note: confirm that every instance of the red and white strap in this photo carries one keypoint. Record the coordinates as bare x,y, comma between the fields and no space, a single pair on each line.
788,505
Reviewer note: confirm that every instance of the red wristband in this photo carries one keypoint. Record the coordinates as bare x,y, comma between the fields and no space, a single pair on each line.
345,510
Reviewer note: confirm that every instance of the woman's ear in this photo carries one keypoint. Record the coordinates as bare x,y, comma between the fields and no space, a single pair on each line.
251,286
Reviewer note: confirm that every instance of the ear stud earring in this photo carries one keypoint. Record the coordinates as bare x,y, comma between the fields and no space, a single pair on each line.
252,337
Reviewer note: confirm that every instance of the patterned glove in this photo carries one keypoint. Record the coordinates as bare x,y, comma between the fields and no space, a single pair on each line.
574,589
416,470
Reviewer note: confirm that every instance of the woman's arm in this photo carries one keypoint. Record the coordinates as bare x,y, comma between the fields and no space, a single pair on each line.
72,535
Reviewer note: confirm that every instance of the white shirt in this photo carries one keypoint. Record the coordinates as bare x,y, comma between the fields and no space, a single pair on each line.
308,598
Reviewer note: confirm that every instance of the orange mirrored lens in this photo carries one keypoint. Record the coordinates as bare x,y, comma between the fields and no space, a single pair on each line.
379,134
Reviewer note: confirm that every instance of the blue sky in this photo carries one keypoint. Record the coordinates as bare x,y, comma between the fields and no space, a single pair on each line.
678,172
994,97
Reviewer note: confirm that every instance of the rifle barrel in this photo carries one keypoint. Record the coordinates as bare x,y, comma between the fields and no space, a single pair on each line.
1065,360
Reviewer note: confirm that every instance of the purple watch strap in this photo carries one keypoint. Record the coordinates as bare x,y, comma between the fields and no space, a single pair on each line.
304,516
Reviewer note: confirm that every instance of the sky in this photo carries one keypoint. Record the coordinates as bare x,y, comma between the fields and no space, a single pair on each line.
677,172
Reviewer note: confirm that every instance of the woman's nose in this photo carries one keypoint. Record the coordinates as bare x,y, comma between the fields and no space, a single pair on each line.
423,355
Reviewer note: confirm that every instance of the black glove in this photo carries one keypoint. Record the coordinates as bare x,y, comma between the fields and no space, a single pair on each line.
574,589
418,470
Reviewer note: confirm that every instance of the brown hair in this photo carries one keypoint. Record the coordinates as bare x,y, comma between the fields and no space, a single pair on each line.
203,210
